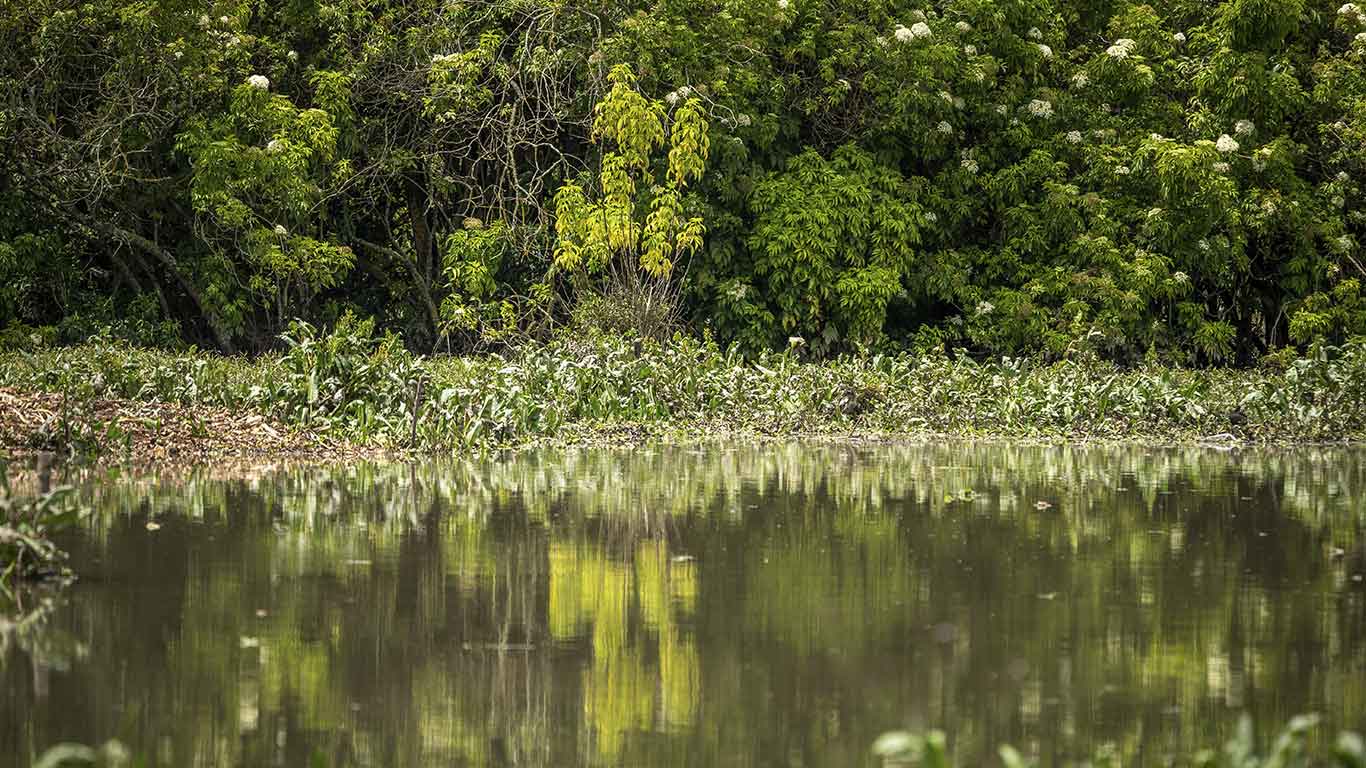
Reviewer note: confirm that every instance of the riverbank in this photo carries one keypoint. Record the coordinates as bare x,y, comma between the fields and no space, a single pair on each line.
346,394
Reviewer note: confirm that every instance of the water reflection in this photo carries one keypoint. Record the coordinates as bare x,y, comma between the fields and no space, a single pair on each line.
776,605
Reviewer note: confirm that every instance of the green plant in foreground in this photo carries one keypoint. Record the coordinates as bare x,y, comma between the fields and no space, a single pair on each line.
1289,749
26,528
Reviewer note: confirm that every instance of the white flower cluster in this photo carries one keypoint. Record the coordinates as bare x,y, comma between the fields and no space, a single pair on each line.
292,55
1002,110
1121,170
931,217
967,161
1349,9
1226,144
1360,38
1343,177
1121,49
918,15
920,29
1040,109
1074,137
1180,278
259,81
1244,127
946,97
903,35
782,5
280,230
971,50
1203,244
944,127
1221,167
673,97
1080,80
1045,51
1035,34
275,146
743,120
963,26
1179,38
985,308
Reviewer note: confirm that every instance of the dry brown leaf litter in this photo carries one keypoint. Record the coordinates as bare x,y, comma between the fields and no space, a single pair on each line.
154,433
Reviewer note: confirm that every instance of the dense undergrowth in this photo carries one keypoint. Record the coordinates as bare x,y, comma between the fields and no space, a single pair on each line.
352,385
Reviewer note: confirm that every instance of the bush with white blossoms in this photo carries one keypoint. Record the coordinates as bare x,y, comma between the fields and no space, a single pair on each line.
921,30
1074,137
1040,109
1244,127
1045,51
1121,48
260,82
1226,144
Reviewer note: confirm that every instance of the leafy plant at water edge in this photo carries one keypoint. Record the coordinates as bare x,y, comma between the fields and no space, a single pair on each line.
26,528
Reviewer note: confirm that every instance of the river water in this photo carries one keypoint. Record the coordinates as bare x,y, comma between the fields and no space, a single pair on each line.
774,605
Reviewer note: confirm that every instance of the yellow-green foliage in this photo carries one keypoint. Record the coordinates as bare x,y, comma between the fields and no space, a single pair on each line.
634,217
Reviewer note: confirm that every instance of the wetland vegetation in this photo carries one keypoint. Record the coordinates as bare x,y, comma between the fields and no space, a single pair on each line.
282,285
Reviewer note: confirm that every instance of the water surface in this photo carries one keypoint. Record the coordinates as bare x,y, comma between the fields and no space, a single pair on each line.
752,606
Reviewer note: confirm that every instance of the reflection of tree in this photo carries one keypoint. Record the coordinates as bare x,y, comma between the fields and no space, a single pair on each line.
712,606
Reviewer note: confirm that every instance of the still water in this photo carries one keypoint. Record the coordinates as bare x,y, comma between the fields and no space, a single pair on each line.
723,606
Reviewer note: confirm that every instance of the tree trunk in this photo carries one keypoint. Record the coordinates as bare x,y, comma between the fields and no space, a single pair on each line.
424,292
168,261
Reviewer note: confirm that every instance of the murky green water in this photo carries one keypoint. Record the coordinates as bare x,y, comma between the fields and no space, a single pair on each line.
758,606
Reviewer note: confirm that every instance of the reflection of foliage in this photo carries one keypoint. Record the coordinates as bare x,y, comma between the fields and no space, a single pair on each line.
679,606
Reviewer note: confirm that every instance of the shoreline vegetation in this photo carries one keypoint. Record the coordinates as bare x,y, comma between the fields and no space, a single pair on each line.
350,393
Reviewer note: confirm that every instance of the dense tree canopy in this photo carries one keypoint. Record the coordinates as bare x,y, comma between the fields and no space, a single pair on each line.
1176,178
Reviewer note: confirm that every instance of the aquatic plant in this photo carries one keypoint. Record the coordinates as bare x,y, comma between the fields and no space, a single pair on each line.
1288,749
27,525
351,384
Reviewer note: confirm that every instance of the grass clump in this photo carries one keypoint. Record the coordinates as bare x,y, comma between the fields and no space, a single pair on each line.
351,384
